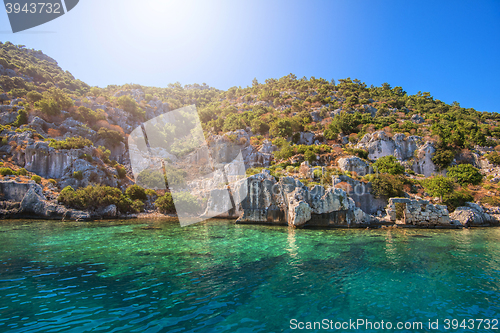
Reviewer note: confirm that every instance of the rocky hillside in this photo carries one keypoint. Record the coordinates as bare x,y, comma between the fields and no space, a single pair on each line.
66,143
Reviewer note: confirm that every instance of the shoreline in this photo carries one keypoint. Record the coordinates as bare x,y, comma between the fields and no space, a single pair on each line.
170,217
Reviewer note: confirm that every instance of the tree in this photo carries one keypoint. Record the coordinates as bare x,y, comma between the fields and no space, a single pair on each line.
344,123
439,186
136,192
22,118
310,156
281,128
388,164
258,126
443,158
386,185
465,174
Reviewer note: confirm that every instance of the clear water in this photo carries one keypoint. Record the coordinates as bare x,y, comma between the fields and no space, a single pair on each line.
154,276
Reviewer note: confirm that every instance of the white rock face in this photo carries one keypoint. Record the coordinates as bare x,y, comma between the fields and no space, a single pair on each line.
409,149
354,164
306,138
299,211
471,215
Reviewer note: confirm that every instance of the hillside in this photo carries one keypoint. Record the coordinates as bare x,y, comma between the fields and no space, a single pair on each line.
72,139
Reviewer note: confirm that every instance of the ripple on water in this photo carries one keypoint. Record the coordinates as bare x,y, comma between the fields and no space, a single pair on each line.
217,276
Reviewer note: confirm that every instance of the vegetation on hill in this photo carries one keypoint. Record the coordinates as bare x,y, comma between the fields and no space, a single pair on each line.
337,115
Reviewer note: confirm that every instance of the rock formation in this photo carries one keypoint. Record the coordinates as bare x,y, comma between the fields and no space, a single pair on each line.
417,155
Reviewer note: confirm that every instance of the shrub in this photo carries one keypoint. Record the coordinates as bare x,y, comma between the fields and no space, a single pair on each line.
439,186
111,137
186,202
151,193
387,185
492,201
122,172
456,199
22,172
36,178
443,158
78,175
465,174
71,143
310,156
388,164
136,192
493,158
165,204
34,96
22,118
6,172
137,206
53,181
95,197
129,104
361,153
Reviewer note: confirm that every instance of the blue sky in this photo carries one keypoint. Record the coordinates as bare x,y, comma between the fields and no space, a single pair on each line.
449,48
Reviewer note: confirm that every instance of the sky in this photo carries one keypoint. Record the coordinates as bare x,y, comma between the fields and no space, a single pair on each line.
448,48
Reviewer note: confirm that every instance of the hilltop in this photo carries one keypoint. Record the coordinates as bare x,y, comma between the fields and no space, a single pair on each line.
72,140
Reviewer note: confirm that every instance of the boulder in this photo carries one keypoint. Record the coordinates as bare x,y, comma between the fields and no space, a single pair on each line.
306,138
7,117
354,164
471,215
35,204
417,119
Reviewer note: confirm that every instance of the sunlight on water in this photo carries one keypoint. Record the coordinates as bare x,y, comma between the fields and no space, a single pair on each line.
154,276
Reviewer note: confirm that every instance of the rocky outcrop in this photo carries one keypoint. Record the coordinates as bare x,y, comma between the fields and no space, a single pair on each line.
472,215
417,119
290,202
417,155
47,162
422,162
354,164
361,193
34,204
420,213
306,138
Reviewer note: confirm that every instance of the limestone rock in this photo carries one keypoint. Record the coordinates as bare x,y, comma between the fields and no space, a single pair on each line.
471,215
354,164
417,119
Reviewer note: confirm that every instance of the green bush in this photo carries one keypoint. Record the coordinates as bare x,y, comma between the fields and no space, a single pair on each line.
310,156
22,118
456,199
493,158
78,175
53,181
388,164
137,206
122,172
22,172
443,158
165,204
136,192
439,186
6,172
492,201
34,96
95,197
465,174
36,178
71,143
186,202
129,104
387,185
361,153
111,137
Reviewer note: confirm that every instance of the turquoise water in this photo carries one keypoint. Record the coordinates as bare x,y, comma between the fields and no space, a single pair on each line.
154,276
